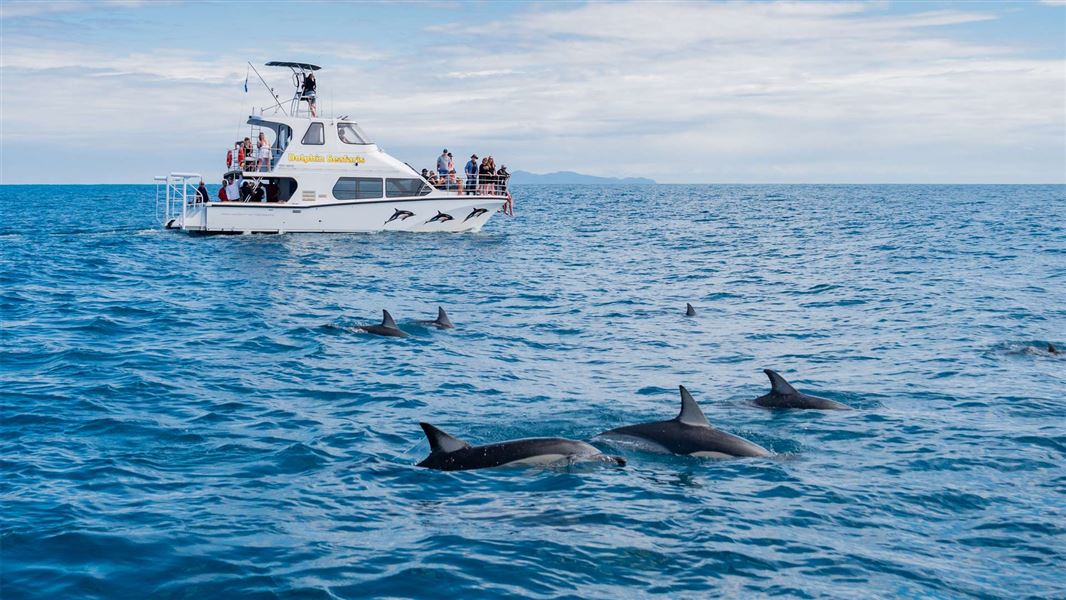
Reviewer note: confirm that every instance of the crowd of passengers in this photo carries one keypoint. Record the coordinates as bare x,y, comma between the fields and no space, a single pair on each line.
251,157
483,178
479,178
235,188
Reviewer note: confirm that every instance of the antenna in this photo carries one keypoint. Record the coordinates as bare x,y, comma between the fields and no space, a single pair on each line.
277,100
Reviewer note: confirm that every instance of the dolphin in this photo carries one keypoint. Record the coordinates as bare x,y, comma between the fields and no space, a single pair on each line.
688,433
689,311
447,453
1052,349
387,328
402,215
783,395
442,217
477,212
442,321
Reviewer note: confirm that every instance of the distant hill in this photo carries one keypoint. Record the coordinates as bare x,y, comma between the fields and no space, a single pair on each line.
571,178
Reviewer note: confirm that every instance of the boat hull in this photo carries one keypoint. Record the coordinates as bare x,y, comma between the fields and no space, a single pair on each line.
467,213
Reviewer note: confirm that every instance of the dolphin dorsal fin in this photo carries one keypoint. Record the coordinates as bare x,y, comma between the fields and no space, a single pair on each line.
689,311
440,441
442,317
386,320
778,385
690,411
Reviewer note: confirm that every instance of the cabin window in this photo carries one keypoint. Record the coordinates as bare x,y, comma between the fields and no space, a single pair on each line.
349,133
357,188
282,141
316,135
405,187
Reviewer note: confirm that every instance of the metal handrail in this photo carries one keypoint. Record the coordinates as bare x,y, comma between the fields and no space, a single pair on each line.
275,158
487,185
177,193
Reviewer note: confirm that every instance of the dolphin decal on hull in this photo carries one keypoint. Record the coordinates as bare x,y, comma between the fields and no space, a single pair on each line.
441,217
477,212
448,453
783,395
387,328
688,434
402,215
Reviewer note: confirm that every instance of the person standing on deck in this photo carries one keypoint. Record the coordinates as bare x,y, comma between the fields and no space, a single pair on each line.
263,153
201,193
308,92
442,163
233,189
471,175
249,155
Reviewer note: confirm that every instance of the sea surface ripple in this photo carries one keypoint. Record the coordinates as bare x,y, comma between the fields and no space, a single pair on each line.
189,417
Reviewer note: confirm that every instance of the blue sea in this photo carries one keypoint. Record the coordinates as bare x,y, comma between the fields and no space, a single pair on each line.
194,417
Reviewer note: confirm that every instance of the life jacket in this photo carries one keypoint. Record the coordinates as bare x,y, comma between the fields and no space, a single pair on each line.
222,193
229,159
240,155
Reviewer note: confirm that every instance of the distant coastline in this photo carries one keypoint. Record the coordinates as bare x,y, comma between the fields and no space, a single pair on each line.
572,178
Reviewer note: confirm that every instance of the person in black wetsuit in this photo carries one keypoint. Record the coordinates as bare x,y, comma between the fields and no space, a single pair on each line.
201,193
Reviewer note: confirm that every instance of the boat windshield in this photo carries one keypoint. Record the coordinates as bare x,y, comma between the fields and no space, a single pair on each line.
349,133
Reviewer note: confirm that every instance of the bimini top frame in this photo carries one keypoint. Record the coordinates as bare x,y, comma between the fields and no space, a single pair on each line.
294,65
300,71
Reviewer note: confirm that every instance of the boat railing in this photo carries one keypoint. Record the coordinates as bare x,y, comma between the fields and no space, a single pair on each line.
251,162
480,187
174,195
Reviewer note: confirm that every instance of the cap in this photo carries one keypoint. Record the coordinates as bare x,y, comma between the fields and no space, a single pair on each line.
473,156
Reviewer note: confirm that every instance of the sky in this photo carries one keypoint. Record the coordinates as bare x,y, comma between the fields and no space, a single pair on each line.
731,92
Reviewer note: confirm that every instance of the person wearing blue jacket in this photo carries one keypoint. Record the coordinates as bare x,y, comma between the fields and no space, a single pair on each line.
471,175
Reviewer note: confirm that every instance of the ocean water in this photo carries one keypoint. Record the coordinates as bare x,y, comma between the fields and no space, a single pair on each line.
191,417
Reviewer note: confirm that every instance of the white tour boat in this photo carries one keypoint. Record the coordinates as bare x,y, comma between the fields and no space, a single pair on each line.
321,175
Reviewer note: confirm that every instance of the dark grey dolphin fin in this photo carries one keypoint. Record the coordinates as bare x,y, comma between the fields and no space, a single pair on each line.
442,318
690,411
689,311
778,385
440,441
386,320
1052,349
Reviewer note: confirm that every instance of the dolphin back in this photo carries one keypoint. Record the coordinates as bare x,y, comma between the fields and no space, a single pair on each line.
689,433
675,437
387,320
532,451
442,319
783,395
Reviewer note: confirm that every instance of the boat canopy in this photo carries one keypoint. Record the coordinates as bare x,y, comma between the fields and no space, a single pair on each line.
294,65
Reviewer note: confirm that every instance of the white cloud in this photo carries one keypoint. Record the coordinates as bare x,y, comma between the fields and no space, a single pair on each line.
684,92
29,8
